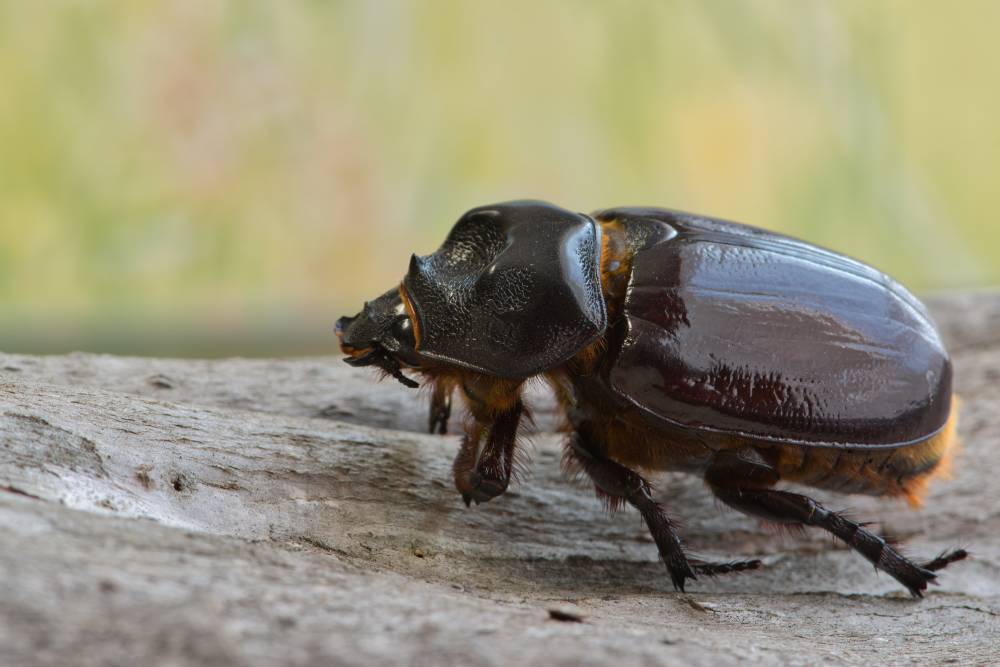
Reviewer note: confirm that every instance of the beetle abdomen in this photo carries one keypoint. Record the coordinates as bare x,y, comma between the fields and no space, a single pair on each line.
898,471
732,329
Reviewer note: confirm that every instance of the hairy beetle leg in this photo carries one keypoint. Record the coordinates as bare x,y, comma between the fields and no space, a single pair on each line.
618,483
664,533
483,475
794,508
483,479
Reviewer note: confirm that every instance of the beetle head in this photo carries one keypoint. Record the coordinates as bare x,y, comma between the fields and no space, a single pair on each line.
381,335
514,290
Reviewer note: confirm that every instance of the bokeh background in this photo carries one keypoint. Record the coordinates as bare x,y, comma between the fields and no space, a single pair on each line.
211,178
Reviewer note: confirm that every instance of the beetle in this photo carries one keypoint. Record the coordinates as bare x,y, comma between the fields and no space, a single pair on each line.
676,342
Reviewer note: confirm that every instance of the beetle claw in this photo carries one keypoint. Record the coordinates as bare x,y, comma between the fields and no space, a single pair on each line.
679,573
678,580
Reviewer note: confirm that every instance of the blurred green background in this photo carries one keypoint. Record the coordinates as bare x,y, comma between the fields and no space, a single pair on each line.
212,178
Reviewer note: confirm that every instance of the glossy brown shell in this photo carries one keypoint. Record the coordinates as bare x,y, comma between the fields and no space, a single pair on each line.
728,328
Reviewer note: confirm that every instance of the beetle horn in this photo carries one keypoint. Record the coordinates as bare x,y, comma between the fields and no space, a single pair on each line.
416,264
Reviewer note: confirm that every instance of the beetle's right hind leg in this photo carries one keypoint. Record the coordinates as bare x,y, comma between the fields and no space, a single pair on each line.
739,479
786,507
620,484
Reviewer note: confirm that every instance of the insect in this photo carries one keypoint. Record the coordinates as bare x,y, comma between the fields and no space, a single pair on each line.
677,342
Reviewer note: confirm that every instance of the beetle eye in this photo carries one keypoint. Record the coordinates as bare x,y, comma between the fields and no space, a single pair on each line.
402,331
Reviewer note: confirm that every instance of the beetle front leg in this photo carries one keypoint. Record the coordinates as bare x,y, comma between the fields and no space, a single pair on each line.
440,411
486,459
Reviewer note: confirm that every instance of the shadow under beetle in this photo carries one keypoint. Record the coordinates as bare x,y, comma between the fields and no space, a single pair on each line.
675,342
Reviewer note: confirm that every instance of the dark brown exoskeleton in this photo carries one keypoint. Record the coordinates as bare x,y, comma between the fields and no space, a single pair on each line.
676,342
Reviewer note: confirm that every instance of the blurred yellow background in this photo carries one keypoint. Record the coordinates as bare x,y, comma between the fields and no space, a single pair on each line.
206,178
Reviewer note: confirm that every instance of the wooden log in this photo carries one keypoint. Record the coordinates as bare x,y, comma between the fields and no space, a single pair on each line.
291,511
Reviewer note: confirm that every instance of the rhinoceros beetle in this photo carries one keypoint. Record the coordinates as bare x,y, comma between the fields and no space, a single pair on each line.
675,342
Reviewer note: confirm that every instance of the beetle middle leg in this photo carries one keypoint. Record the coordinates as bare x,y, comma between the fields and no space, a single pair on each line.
740,479
620,484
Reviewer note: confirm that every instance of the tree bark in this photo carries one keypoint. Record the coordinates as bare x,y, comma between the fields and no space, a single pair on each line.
293,511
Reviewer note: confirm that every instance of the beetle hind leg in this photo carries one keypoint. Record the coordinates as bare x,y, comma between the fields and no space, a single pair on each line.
740,479
787,507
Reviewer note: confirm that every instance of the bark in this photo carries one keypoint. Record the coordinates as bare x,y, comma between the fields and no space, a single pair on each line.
291,511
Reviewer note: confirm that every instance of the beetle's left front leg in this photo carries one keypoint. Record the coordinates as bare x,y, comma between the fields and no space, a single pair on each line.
486,459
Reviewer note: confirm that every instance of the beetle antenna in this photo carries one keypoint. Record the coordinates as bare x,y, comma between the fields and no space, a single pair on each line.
391,366
398,374
379,358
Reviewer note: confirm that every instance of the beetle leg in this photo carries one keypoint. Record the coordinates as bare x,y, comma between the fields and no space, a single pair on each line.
482,474
715,569
739,479
619,484
786,507
440,410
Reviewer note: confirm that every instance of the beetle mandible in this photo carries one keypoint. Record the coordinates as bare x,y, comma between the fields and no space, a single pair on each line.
675,342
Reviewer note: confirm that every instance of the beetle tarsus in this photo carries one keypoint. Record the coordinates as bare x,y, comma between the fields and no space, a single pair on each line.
945,559
715,569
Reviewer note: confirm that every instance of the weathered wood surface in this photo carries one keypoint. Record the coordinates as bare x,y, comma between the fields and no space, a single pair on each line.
240,512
